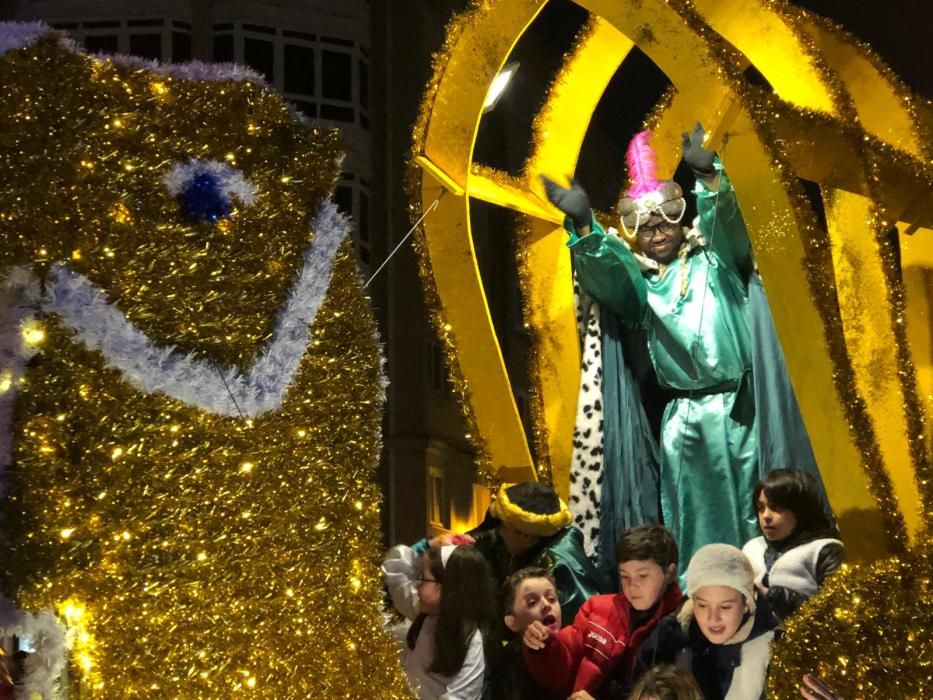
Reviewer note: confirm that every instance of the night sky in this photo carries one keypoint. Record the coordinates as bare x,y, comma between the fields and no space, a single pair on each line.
899,31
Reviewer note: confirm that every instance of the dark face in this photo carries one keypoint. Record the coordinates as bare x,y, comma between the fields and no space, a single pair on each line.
661,241
516,541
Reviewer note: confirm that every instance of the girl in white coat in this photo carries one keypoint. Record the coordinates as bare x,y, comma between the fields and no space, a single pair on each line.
799,547
454,622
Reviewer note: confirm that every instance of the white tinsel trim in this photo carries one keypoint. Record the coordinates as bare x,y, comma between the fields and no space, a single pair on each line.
42,668
232,181
84,309
19,35
192,70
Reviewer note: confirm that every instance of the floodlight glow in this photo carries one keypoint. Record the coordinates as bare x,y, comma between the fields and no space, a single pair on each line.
498,86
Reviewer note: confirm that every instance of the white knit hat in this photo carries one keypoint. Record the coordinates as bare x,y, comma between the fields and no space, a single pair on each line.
722,565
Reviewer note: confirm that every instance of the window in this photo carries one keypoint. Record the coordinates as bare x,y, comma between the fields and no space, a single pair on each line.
146,46
435,368
337,76
223,48
337,114
299,69
259,29
106,43
309,109
438,505
343,196
181,46
364,85
363,219
260,56
323,77
153,38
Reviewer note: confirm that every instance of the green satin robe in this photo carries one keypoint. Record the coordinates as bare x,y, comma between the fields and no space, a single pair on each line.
700,344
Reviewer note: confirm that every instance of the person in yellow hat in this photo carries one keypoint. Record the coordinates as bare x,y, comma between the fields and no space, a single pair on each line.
529,525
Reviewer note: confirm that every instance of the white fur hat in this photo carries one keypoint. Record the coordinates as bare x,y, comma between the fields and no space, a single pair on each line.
722,565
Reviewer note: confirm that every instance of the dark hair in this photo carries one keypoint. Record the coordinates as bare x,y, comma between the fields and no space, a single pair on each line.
514,582
534,497
666,683
647,542
798,492
467,604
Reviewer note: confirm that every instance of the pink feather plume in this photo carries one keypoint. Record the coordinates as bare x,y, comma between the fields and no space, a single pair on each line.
642,165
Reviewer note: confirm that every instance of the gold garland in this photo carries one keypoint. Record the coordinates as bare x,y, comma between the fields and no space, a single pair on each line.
485,473
822,285
869,632
192,555
906,370
539,429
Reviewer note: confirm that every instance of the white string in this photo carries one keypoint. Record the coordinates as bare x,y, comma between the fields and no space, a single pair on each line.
696,342
431,208
405,237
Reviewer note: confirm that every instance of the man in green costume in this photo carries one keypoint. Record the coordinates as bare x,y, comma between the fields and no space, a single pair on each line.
689,292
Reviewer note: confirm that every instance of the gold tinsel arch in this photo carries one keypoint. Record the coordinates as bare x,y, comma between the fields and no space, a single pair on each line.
836,116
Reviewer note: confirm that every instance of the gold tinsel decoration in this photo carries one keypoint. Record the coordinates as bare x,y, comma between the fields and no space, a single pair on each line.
459,387
191,555
869,633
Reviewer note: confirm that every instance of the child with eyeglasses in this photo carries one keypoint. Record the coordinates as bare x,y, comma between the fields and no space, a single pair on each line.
454,620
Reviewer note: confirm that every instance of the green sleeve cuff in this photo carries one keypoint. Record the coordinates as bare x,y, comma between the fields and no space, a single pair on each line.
700,188
571,230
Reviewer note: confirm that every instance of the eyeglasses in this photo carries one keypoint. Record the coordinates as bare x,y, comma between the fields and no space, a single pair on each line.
423,579
646,233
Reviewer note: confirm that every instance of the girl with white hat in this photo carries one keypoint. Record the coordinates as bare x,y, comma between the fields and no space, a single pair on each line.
729,627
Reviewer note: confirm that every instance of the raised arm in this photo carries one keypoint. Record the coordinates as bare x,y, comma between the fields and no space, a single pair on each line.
605,266
720,218
399,571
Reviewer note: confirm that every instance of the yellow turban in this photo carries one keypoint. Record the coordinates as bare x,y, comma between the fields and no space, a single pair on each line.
528,522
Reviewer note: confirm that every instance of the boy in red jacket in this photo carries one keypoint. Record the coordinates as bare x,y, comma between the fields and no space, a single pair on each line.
615,637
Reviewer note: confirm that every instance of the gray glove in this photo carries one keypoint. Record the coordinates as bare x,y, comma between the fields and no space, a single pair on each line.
698,158
573,202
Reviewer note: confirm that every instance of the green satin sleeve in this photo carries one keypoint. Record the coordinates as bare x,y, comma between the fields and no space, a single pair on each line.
576,578
608,272
722,224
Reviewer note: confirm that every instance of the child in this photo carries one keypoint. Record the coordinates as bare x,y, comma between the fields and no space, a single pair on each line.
728,625
798,549
529,595
599,653
666,683
528,525
444,654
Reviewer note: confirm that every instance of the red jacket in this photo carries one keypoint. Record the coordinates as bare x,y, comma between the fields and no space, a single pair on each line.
596,646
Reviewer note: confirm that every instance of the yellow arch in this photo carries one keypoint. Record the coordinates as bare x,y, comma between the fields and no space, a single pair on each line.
779,219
